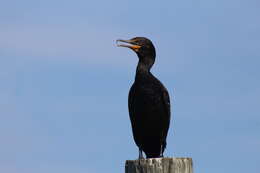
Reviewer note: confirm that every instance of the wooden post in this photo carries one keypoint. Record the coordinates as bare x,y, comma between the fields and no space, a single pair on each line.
159,165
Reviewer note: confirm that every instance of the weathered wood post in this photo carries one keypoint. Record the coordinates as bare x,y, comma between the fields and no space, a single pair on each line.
159,165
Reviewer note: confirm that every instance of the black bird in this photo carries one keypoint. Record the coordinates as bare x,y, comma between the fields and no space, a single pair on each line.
148,102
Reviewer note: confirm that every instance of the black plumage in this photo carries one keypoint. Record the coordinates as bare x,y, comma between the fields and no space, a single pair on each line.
148,102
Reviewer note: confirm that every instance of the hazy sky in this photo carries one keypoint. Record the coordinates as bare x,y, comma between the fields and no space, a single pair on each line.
64,83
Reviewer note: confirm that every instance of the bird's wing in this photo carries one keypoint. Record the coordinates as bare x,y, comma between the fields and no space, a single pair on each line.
166,119
131,109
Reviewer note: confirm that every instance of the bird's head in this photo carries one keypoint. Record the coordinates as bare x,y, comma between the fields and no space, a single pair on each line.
142,46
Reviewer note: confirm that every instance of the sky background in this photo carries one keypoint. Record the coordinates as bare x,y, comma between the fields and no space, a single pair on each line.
64,83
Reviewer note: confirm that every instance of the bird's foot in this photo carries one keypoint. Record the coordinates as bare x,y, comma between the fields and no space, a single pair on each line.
140,155
140,158
161,155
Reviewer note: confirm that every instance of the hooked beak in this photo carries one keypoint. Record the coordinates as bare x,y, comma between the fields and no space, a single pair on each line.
130,44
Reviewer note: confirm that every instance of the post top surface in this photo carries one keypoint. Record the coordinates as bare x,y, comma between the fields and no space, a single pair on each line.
162,159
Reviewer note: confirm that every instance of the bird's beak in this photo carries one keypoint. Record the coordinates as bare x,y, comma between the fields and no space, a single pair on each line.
130,44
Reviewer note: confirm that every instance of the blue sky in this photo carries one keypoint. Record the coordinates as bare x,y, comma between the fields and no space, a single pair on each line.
63,104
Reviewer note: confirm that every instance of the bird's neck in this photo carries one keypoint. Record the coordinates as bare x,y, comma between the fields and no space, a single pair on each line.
144,67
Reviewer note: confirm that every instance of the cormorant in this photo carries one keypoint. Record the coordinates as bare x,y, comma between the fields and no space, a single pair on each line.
148,102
